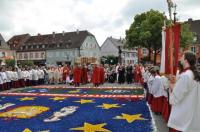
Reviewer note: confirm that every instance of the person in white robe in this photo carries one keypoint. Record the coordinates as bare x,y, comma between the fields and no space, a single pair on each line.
8,74
1,83
157,92
35,76
185,98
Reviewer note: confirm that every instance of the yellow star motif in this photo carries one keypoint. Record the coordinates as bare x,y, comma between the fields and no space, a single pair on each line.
109,106
92,128
84,101
27,98
58,98
130,118
74,91
27,130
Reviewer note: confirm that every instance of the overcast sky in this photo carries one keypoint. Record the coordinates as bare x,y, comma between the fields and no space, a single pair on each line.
103,18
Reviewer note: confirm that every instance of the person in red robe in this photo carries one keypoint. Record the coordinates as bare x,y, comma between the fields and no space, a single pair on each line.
84,74
137,74
96,75
102,73
77,73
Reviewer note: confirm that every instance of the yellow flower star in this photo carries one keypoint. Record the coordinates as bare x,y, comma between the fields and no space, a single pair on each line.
27,130
130,118
26,98
92,128
74,91
84,101
58,98
109,106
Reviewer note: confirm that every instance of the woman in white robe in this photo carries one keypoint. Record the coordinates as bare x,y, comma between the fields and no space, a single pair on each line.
185,98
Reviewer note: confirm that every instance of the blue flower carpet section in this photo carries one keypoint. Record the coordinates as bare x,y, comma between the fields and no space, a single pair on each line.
61,114
81,91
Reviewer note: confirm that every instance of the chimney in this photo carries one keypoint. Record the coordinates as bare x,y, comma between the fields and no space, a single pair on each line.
54,34
63,33
39,34
77,31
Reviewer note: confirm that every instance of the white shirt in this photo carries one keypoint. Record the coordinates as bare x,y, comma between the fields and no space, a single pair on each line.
8,74
19,72
165,85
1,79
157,87
150,82
34,75
4,77
30,75
185,101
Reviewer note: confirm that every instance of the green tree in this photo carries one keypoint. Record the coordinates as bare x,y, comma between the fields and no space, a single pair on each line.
187,37
145,31
27,63
110,59
10,62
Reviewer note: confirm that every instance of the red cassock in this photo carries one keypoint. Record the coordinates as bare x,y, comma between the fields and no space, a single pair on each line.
157,104
149,99
166,109
77,72
102,73
137,75
96,75
84,75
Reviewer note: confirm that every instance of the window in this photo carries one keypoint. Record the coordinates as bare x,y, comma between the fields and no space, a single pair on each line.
25,56
20,56
144,51
31,55
42,55
193,49
0,42
36,55
43,46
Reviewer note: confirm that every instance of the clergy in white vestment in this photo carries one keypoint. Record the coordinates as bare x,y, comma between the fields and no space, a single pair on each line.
149,84
1,83
4,77
9,74
157,92
185,98
15,78
35,76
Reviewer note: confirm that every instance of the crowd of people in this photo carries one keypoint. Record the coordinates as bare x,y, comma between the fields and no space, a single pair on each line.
176,98
98,74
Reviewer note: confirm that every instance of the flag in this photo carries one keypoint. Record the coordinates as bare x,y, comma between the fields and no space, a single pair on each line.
170,49
176,33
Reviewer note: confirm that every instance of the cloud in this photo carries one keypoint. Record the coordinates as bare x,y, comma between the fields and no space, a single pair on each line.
103,18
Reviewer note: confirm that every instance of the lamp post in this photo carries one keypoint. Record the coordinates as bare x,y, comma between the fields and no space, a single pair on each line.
119,57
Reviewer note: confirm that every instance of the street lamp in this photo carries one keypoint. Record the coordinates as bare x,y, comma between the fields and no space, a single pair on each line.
119,57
